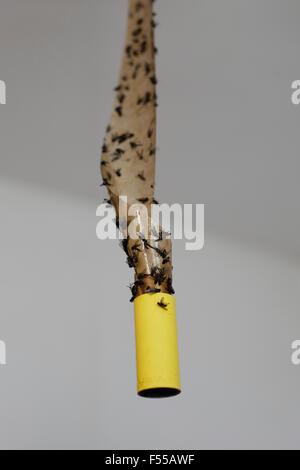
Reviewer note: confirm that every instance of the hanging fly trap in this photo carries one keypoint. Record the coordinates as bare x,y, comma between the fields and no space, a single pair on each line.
128,171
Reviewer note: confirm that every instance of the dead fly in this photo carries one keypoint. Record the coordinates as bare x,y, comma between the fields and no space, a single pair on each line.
143,47
108,128
132,260
151,151
118,88
116,157
117,154
105,182
147,98
162,253
152,291
124,78
136,247
153,80
149,133
169,286
134,74
143,200
103,163
119,110
128,51
146,243
104,148
122,138
162,235
134,145
162,304
147,68
134,290
121,98
158,275
142,275
118,172
140,21
140,155
141,176
124,244
136,32
153,24
141,236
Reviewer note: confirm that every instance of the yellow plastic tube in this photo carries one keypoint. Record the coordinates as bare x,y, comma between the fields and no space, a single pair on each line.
157,358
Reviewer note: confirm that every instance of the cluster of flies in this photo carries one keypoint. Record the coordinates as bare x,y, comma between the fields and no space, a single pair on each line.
134,53
158,275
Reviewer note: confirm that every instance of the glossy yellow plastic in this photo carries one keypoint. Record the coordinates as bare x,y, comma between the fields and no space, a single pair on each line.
156,345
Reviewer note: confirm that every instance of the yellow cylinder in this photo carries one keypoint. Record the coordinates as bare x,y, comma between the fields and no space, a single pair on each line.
157,358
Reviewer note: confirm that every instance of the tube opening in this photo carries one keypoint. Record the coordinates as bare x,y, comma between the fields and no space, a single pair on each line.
159,392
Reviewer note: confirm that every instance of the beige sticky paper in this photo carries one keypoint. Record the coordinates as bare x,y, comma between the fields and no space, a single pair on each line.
129,149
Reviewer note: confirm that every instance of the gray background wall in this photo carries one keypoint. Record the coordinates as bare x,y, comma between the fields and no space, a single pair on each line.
228,137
